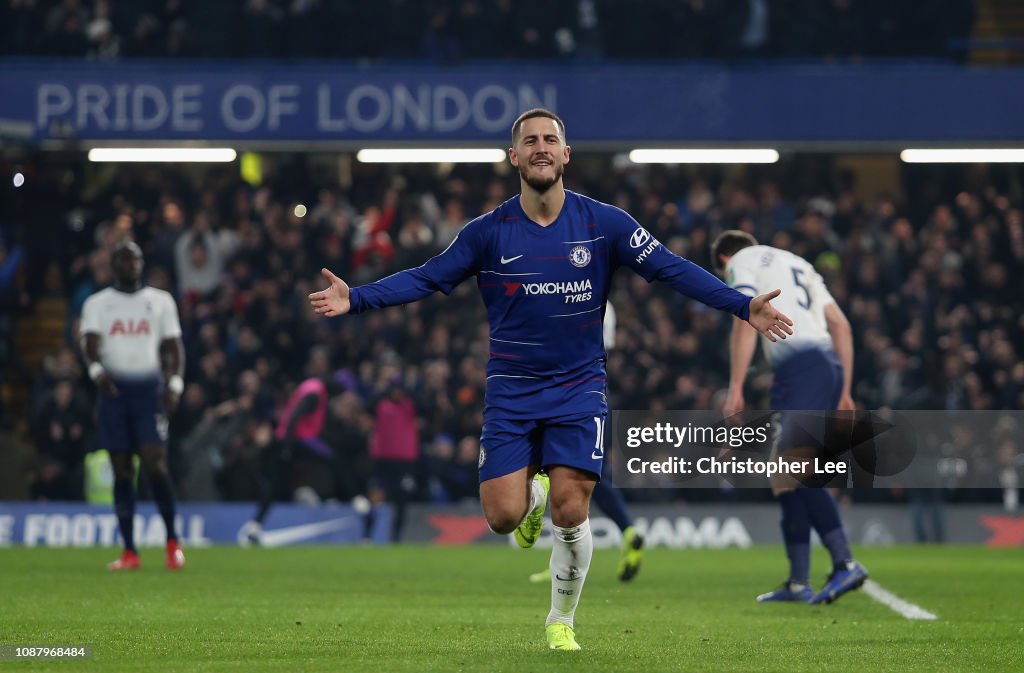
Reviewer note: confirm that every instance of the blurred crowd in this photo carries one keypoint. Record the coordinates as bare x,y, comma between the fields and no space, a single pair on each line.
930,278
450,31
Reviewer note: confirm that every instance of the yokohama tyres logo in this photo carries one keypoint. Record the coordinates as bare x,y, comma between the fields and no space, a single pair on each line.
562,287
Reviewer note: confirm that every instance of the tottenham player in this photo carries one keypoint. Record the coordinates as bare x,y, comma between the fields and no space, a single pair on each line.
543,261
812,371
131,340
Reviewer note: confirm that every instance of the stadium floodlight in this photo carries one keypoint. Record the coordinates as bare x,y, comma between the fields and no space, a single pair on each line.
963,156
704,156
168,155
424,155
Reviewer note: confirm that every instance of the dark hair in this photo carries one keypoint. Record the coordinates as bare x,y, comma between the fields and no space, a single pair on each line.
127,245
728,243
531,114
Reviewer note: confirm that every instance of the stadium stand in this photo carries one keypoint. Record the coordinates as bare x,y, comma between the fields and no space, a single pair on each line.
930,277
451,31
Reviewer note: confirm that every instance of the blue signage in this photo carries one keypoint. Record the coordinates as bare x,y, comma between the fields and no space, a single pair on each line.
199,524
639,103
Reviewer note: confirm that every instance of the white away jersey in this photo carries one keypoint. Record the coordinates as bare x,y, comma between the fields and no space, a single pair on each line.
762,268
131,327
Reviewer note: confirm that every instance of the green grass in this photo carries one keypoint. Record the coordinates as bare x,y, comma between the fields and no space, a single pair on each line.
471,609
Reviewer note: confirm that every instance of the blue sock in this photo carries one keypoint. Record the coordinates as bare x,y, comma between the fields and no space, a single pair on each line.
124,507
824,514
796,533
611,503
163,493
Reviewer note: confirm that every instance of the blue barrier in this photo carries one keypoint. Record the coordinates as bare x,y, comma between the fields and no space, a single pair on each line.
608,103
199,525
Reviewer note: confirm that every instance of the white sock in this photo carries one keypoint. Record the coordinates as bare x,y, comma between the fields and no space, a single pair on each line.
536,495
571,551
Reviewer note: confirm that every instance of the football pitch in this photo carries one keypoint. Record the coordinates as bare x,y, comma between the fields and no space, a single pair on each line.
412,608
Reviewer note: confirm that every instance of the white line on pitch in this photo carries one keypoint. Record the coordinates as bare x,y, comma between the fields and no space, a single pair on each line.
895,603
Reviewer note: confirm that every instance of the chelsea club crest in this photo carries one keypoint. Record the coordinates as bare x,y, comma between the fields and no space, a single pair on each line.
579,256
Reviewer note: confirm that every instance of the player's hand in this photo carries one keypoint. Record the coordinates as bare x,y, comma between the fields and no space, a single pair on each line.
734,403
105,383
846,403
766,319
170,401
334,300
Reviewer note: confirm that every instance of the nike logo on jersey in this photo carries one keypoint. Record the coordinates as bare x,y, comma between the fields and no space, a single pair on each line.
510,259
597,455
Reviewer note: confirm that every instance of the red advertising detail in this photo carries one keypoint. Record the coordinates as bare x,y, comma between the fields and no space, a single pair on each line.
457,530
1007,531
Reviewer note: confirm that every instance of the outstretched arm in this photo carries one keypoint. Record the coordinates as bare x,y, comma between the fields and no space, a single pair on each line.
441,273
766,319
633,246
333,300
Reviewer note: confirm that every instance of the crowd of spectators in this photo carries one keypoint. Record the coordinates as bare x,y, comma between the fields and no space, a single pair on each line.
451,31
930,278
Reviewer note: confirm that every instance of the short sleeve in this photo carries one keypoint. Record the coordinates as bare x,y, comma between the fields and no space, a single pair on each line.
819,292
170,327
741,274
90,321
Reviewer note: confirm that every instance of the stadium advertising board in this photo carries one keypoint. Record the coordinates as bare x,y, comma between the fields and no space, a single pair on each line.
200,525
695,526
47,100
699,526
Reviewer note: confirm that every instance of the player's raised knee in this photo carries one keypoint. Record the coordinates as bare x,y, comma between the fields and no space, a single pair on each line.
503,522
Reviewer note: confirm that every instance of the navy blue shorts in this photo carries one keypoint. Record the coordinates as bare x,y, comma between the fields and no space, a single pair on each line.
508,445
809,380
134,418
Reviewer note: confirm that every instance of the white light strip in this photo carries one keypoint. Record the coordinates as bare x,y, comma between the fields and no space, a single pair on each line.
431,156
704,156
963,156
163,154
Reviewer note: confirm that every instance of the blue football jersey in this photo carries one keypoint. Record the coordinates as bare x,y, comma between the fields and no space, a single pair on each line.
545,290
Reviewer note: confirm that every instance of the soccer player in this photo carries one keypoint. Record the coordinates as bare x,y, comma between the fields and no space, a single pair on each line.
543,262
131,340
608,499
812,371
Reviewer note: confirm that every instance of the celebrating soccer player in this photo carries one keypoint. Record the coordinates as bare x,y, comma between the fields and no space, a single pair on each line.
131,340
813,371
543,261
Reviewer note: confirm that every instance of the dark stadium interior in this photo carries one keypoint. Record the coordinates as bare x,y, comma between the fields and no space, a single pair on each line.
360,484
927,261
930,276
458,30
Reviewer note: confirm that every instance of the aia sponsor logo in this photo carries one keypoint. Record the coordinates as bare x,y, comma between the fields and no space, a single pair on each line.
130,328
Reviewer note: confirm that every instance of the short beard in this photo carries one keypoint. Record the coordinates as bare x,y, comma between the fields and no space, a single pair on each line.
541,185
